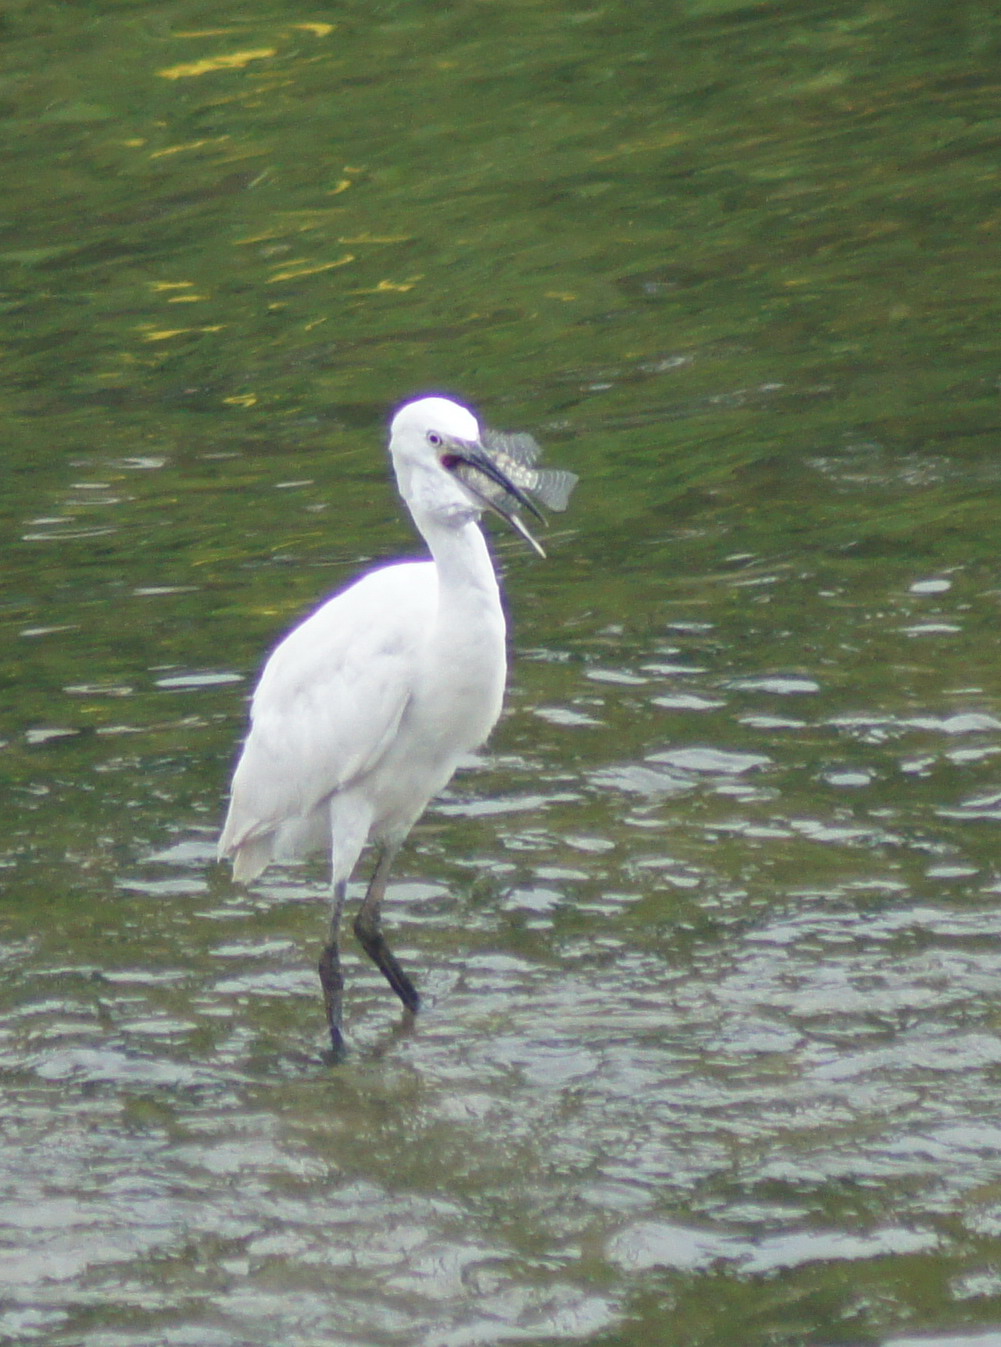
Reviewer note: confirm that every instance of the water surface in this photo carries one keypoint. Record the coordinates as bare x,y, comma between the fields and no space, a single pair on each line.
709,933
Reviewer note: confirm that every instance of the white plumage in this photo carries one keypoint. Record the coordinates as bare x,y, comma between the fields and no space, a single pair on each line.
364,710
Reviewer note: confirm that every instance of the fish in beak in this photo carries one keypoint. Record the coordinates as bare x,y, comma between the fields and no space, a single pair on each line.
501,469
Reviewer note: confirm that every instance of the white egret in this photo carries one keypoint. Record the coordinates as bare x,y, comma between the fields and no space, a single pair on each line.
364,710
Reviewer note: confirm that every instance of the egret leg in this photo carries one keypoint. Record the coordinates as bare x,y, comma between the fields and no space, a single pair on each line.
331,975
368,929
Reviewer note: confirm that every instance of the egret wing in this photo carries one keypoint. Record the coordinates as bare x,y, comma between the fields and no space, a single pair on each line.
330,700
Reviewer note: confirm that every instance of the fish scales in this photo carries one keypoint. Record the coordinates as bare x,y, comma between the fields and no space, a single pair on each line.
516,455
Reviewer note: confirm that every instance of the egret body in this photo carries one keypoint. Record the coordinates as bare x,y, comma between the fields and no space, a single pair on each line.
363,711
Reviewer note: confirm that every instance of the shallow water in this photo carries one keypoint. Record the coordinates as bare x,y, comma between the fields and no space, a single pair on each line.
709,933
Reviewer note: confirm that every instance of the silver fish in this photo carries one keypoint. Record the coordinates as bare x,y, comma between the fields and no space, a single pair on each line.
516,456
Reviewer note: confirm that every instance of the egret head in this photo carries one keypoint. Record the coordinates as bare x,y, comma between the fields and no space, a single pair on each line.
439,457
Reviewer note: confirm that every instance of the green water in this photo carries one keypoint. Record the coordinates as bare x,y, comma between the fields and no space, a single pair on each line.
709,935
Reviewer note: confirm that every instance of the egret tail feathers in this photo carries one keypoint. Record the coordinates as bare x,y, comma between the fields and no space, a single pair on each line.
250,858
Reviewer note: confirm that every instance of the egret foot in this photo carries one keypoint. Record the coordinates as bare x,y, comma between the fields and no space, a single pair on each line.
331,973
368,929
373,942
338,1046
332,983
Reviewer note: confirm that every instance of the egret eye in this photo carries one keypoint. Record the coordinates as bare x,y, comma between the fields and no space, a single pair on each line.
450,461
434,439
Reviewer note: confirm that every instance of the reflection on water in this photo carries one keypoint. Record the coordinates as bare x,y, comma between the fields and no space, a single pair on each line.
709,934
